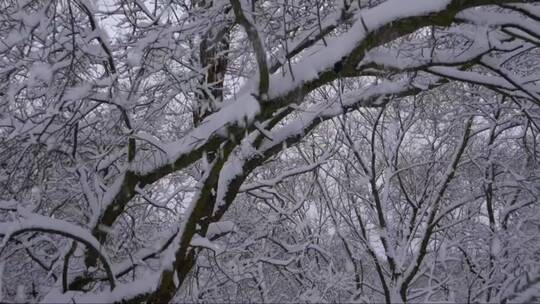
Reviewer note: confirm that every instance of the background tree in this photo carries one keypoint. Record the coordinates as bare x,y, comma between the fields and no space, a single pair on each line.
302,150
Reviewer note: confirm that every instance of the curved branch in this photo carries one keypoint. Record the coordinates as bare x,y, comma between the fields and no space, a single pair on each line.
257,44
39,223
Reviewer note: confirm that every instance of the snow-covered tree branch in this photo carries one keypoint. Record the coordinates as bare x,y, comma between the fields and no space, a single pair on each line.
269,151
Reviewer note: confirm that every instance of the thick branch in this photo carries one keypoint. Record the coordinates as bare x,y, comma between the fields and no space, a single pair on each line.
257,44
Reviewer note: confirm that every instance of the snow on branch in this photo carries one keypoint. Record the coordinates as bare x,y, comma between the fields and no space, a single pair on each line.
280,178
123,292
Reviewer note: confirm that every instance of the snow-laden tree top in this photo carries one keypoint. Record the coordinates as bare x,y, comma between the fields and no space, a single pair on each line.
309,150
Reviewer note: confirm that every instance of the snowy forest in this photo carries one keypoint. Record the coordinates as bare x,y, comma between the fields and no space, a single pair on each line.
269,151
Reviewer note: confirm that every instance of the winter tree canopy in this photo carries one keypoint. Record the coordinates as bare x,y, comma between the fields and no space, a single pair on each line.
156,151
